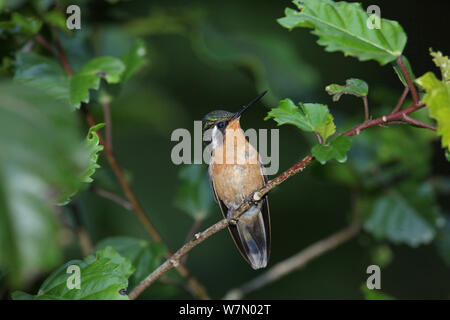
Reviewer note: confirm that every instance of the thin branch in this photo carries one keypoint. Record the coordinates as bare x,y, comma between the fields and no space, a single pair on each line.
62,57
418,123
46,45
113,197
195,286
319,137
401,100
295,262
366,108
194,229
108,124
411,85
383,120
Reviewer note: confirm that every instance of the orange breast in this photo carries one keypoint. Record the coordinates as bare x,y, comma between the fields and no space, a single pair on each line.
235,168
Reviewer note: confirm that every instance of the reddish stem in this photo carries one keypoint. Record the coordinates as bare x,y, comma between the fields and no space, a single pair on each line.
401,100
366,108
411,86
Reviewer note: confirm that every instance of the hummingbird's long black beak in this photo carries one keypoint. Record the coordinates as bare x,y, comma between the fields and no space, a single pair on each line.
239,113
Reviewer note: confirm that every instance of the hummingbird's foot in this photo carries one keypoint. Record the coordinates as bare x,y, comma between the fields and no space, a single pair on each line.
230,218
256,197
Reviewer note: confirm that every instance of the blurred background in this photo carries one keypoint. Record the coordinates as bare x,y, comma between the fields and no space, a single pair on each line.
207,55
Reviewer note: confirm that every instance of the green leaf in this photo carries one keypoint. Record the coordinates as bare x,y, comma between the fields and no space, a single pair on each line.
56,18
43,74
93,147
312,117
335,149
354,87
374,294
406,215
27,25
342,26
145,256
134,59
194,195
437,98
399,71
447,155
443,63
41,158
46,74
103,277
89,76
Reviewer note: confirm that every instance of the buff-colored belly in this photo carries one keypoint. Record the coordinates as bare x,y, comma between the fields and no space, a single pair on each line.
234,182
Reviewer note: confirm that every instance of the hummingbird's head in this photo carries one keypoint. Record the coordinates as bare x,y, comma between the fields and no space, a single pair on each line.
220,119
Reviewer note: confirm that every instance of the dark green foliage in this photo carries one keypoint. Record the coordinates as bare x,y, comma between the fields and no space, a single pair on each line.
158,67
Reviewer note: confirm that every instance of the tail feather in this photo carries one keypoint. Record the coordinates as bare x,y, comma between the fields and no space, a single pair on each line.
251,234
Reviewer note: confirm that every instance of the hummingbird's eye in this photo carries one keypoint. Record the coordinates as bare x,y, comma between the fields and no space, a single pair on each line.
221,125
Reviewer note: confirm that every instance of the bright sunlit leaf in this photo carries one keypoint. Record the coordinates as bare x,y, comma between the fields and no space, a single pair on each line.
437,98
310,117
335,149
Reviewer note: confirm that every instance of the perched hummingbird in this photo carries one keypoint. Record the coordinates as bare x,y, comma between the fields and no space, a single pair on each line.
233,181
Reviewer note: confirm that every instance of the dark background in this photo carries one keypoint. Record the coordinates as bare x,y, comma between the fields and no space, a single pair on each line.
244,52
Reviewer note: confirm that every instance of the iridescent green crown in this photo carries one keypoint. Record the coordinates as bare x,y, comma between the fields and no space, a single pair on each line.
214,116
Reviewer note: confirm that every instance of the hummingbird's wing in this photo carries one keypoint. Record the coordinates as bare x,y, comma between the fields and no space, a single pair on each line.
250,228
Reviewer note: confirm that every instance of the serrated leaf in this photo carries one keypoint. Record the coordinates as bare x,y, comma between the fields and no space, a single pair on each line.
356,87
342,26
312,117
335,149
145,256
134,59
42,73
437,98
93,147
89,77
406,215
103,277
41,158
443,63
193,194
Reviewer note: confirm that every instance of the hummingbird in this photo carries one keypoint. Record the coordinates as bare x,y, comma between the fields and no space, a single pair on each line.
233,181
